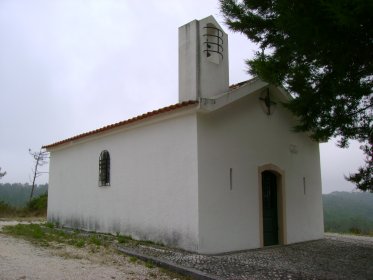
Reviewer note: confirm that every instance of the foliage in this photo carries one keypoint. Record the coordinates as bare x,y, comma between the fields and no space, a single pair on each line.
149,264
94,240
2,174
348,212
17,195
7,211
38,205
321,52
364,178
123,239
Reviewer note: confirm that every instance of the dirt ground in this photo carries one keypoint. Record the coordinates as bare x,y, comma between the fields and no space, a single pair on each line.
20,259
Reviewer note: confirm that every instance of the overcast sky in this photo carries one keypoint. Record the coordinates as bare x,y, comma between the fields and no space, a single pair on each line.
67,67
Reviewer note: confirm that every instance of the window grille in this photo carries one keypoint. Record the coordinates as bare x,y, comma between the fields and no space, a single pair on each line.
104,169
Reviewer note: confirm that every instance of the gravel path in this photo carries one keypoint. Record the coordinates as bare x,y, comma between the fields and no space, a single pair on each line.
19,259
334,257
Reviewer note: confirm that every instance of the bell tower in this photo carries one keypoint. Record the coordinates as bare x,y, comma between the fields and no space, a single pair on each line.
203,60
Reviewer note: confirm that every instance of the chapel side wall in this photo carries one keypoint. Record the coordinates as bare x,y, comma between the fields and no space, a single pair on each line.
242,137
153,191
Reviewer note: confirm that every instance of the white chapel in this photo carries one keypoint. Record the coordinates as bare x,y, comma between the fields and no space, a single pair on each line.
220,171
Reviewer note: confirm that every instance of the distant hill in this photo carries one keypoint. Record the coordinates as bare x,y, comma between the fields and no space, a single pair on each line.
18,195
348,212
344,212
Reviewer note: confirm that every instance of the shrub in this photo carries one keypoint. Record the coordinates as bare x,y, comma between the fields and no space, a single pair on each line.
355,230
7,210
80,243
95,240
38,205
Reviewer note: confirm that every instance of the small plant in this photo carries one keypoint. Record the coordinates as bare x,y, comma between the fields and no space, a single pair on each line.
148,242
149,264
49,225
37,232
80,243
122,239
94,240
133,259
61,234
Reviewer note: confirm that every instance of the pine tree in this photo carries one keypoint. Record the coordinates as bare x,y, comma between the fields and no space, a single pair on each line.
321,52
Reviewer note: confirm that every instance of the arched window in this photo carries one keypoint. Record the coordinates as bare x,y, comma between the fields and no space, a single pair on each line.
104,168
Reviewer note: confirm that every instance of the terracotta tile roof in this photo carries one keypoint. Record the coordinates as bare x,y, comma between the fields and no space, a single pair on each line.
138,118
123,123
238,85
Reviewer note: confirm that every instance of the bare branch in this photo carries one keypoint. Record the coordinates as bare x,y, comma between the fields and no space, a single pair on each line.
41,158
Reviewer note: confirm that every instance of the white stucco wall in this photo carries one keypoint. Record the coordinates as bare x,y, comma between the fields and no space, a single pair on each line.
242,137
153,193
170,178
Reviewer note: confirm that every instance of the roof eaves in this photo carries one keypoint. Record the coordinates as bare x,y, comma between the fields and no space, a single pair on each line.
123,123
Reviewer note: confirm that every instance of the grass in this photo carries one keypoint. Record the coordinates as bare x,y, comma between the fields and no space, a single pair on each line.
149,264
48,234
123,239
133,259
94,240
32,230
80,243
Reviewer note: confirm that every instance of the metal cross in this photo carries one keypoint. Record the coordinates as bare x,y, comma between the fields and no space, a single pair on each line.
268,102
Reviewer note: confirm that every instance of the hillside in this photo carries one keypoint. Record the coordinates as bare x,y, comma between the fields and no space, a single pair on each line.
18,195
348,212
343,211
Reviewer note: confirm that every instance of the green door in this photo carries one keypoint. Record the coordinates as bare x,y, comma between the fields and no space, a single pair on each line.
270,218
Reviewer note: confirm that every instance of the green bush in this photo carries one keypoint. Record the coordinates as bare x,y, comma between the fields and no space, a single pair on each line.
7,211
38,205
95,240
80,243
355,230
